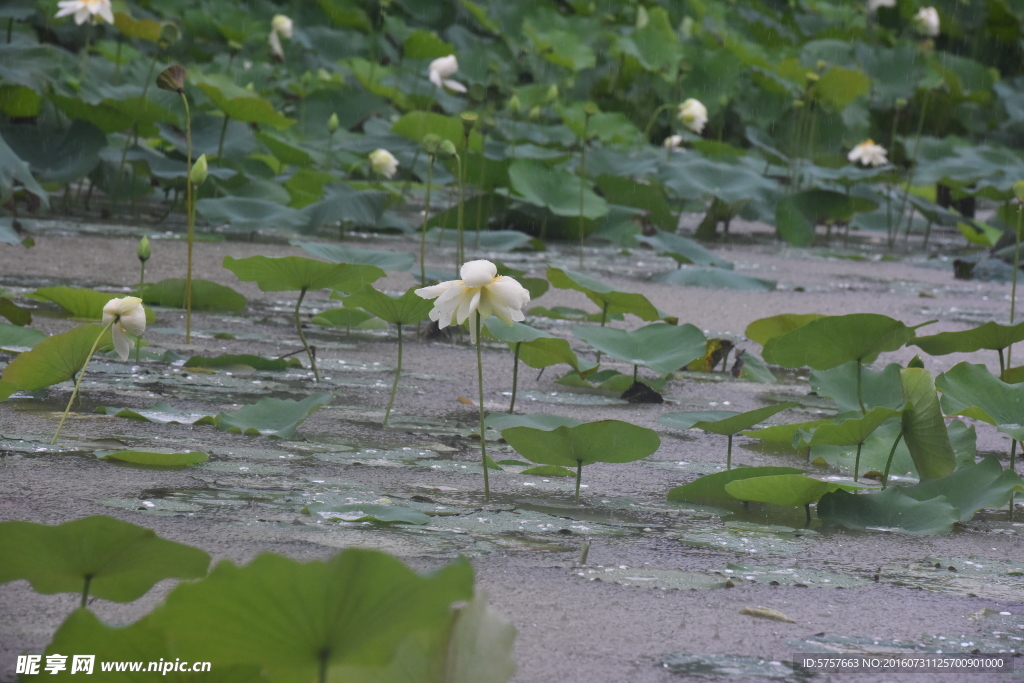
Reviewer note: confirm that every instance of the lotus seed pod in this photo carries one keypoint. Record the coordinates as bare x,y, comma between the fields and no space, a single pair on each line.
200,170
169,34
172,78
469,119
144,251
446,149
431,143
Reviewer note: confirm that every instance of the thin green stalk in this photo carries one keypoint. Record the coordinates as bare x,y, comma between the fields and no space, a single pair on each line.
330,151
78,382
583,172
888,463
515,377
654,116
860,400
1013,287
635,368
579,476
302,337
191,211
223,132
85,51
426,218
85,590
1002,363
1013,468
856,463
10,30
480,384
480,202
728,454
459,213
913,167
398,372
117,61
604,319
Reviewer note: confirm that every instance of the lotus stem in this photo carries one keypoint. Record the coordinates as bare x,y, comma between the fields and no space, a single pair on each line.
728,454
85,51
302,337
856,463
426,219
1013,468
459,213
515,377
654,117
398,372
579,476
480,384
604,319
78,382
223,132
1002,363
190,206
1013,287
85,590
635,369
860,400
888,463
910,175
583,172
483,174
584,551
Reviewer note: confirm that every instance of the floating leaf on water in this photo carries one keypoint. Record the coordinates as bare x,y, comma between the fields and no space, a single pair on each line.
342,253
734,666
160,413
16,337
549,471
106,557
766,613
155,458
359,512
714,278
271,416
547,421
295,273
971,488
711,487
888,509
659,346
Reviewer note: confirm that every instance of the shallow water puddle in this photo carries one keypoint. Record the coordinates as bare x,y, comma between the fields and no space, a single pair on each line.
714,666
748,538
1000,580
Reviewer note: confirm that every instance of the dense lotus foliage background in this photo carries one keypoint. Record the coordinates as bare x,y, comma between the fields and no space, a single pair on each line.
512,125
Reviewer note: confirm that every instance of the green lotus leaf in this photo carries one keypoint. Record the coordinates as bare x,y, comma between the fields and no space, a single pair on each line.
7,389
159,413
784,489
342,253
549,471
650,198
558,191
294,618
97,556
786,436
14,170
239,103
924,428
567,313
84,304
969,489
604,295
878,387
696,177
683,249
58,155
839,87
849,431
888,509
536,348
833,340
359,512
659,346
972,391
250,214
497,240
278,417
13,312
206,295
724,422
342,317
546,421
714,278
711,487
228,360
992,336
54,359
155,458
584,444
17,337
407,309
764,329
297,273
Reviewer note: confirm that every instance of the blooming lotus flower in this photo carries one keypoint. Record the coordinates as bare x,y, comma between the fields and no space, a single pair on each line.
926,21
85,9
384,163
693,115
868,154
673,142
481,291
441,70
129,317
280,25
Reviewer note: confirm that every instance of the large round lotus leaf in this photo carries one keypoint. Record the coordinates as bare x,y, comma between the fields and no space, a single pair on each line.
711,487
783,489
683,249
57,156
714,278
924,428
342,253
969,489
788,436
407,309
584,444
86,304
155,458
971,390
604,294
536,348
558,191
120,561
888,509
294,273
292,617
877,387
206,295
763,329
851,431
240,103
724,422
693,176
16,336
270,416
54,359
833,340
547,421
250,213
991,336
659,346
14,170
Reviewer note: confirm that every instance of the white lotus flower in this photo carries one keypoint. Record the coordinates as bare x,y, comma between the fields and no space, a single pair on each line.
85,10
280,25
874,5
441,70
693,115
674,142
129,318
868,154
384,163
926,21
481,291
